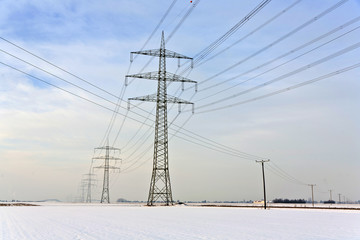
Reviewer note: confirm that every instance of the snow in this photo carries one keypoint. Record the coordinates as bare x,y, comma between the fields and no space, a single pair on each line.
95,221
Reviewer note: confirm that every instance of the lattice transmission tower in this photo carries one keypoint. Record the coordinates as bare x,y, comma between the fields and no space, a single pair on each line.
89,182
105,198
160,187
82,188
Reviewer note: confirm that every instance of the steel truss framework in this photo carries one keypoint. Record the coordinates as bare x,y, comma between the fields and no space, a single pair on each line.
160,187
105,196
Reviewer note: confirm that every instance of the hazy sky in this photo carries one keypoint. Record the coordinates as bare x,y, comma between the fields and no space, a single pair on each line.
47,136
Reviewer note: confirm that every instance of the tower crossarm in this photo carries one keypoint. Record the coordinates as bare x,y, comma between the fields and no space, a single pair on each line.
147,98
89,180
172,99
156,53
110,167
153,98
171,77
110,158
108,147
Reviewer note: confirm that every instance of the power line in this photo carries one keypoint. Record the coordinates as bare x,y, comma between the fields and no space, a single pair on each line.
196,2
72,84
204,143
274,168
223,149
181,127
302,26
173,32
137,167
137,132
251,33
232,30
126,170
286,174
302,46
60,88
258,28
120,128
176,28
178,15
110,109
141,141
205,52
187,14
139,157
60,78
284,76
116,111
60,68
113,118
282,56
340,71
158,25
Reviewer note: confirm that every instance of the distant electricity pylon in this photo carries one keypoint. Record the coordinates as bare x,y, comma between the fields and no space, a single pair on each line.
105,198
263,174
160,187
89,183
82,190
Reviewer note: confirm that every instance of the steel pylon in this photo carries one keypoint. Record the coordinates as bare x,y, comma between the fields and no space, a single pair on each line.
90,183
160,187
105,196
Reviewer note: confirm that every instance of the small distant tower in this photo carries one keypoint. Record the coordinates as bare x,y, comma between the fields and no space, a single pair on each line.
90,182
82,190
160,187
105,198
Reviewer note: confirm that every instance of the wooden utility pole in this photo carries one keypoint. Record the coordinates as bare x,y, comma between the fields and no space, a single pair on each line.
330,194
312,193
263,173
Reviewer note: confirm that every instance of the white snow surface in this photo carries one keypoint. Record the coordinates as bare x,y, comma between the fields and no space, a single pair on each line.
90,222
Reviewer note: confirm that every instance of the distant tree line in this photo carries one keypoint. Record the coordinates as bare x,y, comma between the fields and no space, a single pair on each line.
280,200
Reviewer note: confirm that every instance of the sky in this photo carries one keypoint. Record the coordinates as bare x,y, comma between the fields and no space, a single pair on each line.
48,136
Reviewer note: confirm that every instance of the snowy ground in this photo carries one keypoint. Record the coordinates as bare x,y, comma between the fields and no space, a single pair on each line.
106,222
279,205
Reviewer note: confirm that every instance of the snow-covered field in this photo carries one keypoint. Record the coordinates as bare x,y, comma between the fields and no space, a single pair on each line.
88,222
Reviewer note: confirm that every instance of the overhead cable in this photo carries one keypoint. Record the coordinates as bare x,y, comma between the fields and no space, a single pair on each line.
302,26
284,76
278,58
340,71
